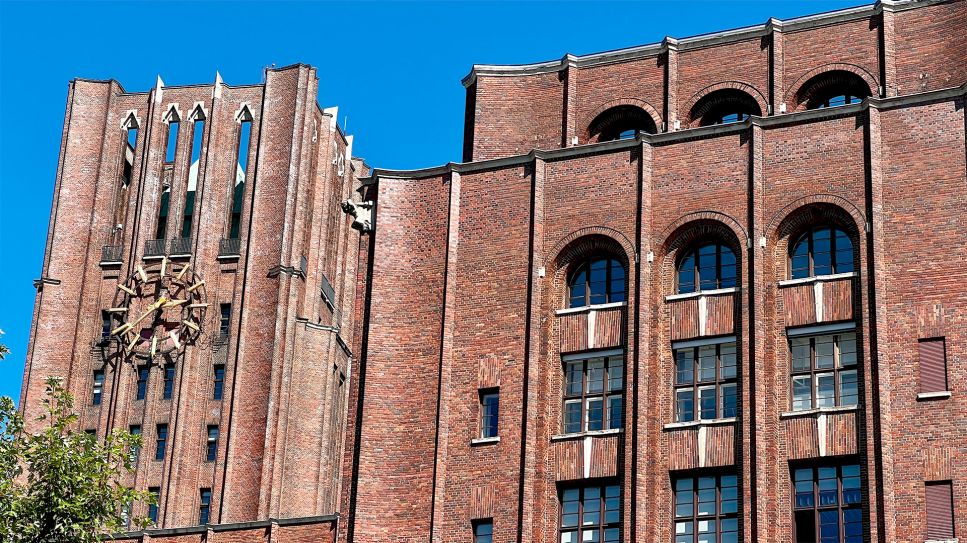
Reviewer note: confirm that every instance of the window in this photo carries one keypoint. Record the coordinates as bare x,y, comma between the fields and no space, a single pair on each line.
483,531
162,442
211,445
106,324
489,412
204,505
597,281
838,100
827,506
724,106
707,267
135,430
241,169
933,365
132,134
198,132
172,145
98,387
219,385
821,251
162,227
824,371
142,382
593,393
831,89
591,513
706,509
705,382
621,122
153,505
224,319
169,382
939,502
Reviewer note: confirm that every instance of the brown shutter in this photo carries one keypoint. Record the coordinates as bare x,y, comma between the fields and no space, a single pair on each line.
933,365
940,510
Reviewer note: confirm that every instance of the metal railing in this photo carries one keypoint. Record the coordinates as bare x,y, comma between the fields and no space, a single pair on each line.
154,247
229,247
179,246
111,253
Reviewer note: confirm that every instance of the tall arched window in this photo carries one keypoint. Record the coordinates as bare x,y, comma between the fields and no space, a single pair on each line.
822,250
598,280
706,267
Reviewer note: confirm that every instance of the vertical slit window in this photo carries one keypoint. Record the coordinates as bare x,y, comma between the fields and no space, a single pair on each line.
171,148
219,384
933,365
224,319
211,444
98,387
142,386
204,506
940,511
135,430
238,182
153,505
489,413
169,382
161,444
483,531
197,137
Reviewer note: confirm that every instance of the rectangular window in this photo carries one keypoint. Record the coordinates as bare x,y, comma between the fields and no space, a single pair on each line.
198,132
224,319
238,178
705,382
219,385
939,504
824,371
142,382
98,387
172,145
489,412
593,390
933,365
591,514
483,531
153,507
135,430
162,442
106,324
706,509
211,446
169,383
827,507
204,506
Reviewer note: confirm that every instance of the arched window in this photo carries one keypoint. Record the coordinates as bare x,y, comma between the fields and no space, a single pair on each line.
599,280
831,89
822,250
724,106
706,267
621,122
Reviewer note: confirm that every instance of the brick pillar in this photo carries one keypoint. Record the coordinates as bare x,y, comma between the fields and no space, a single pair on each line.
888,77
671,83
570,95
777,87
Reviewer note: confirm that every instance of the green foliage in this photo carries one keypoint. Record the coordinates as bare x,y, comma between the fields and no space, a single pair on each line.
60,485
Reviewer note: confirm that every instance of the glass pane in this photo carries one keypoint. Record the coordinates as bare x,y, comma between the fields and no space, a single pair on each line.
727,276
848,393
595,376
852,526
684,405
569,537
829,526
828,494
729,401
824,352
684,531
615,412
684,369
847,350
611,535
572,416
578,285
708,402
801,393
706,499
800,259
727,358
851,484
575,375
616,290
825,393
804,487
706,363
615,373
686,274
844,253
595,414
800,353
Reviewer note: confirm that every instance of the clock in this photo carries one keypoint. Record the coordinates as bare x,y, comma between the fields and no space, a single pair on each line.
158,309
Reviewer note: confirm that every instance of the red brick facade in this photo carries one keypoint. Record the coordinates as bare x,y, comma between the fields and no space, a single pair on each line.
459,284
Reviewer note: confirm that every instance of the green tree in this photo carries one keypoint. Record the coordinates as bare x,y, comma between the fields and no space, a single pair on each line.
59,485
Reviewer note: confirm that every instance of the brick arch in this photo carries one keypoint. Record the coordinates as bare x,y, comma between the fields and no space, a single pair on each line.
735,85
648,108
693,228
792,93
670,235
578,245
774,228
797,217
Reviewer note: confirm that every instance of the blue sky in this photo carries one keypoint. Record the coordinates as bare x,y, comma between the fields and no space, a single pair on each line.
393,69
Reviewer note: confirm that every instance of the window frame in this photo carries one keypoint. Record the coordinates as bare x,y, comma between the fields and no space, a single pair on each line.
609,294
808,236
693,251
211,443
477,524
585,397
695,517
141,386
161,442
602,525
218,385
486,429
718,383
204,506
837,369
97,390
168,383
154,507
840,505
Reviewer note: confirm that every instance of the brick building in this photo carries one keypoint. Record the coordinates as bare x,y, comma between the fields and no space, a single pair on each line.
703,290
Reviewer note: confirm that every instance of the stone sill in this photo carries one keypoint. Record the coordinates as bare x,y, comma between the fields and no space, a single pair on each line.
689,295
109,263
698,423
941,395
585,308
228,257
818,411
816,278
954,540
589,433
485,440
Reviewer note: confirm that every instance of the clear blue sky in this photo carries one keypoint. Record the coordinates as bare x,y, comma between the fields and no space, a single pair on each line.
393,68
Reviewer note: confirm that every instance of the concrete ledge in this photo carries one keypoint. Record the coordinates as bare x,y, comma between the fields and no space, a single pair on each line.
926,396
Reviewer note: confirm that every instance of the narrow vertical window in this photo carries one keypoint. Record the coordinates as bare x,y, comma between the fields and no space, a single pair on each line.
142,388
219,384
483,531
211,444
162,227
940,511
98,387
224,319
106,324
933,365
197,137
135,430
162,443
204,506
169,383
153,505
489,412
172,146
238,181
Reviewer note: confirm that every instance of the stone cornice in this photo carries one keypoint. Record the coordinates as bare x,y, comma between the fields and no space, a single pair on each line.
694,42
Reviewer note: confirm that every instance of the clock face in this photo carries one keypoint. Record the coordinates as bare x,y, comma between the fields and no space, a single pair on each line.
159,309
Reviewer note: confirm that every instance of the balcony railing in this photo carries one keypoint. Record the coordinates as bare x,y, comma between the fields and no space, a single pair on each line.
154,247
229,247
111,253
179,246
